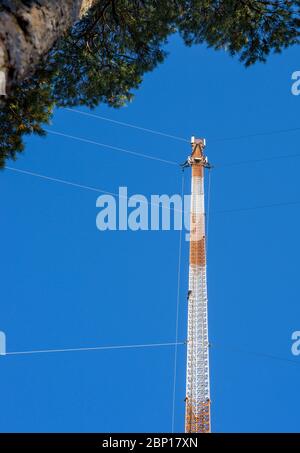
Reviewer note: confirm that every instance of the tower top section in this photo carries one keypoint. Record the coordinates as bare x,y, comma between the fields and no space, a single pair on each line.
198,141
197,158
198,145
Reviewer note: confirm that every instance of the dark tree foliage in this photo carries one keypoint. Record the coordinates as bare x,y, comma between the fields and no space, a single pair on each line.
104,56
250,28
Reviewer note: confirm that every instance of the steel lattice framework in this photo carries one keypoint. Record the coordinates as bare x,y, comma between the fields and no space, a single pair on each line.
197,414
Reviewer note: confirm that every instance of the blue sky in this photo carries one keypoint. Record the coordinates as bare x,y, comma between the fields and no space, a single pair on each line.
65,284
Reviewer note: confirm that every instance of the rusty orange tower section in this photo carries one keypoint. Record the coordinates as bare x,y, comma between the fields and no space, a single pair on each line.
197,412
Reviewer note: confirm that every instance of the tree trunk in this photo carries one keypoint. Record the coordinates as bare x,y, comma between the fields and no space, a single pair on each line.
28,29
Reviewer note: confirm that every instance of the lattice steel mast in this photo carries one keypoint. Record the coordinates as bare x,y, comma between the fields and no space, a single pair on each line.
197,412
